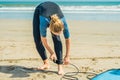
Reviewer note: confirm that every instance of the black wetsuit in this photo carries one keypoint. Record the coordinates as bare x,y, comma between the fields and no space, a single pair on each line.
47,9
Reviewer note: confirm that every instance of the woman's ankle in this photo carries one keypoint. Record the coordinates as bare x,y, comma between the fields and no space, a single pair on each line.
45,65
60,69
46,61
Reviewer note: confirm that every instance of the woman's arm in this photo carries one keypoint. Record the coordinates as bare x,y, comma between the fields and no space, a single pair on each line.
52,54
67,56
67,41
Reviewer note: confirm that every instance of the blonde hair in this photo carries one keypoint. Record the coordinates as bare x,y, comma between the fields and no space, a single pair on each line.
56,25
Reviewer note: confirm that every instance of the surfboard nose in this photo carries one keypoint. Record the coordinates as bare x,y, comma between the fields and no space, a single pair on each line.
113,74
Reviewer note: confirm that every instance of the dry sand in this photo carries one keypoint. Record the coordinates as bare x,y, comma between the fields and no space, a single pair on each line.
95,47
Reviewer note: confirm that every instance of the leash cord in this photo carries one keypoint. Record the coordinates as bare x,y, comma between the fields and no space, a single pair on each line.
71,75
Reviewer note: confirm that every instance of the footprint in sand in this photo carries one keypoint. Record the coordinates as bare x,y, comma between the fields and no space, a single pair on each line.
41,75
2,48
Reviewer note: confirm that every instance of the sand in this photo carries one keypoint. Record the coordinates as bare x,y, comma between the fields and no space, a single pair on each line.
95,47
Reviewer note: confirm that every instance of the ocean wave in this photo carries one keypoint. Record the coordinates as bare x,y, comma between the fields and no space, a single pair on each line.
90,7
17,8
69,9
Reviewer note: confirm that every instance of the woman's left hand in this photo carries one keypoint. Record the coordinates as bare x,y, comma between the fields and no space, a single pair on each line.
66,60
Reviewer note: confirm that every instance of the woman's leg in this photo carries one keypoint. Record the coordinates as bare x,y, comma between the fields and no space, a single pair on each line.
37,39
58,51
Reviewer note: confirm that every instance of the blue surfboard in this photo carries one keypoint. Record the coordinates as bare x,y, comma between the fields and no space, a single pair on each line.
112,74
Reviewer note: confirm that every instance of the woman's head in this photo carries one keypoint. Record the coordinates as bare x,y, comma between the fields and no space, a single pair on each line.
56,25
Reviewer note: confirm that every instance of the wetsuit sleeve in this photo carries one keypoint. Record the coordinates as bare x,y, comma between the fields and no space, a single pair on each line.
66,30
43,26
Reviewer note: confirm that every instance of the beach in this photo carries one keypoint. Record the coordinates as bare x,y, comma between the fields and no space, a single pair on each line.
95,47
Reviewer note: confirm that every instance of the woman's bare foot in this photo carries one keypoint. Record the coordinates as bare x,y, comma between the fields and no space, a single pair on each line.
60,70
43,67
46,65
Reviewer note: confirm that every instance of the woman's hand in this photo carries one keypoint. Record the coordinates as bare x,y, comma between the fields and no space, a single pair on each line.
52,57
66,60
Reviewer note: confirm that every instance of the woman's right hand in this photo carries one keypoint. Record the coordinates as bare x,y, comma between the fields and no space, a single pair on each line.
52,57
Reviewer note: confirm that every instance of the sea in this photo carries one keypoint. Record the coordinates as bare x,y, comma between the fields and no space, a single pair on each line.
73,10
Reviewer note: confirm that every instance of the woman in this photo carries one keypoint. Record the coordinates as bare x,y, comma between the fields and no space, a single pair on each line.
49,15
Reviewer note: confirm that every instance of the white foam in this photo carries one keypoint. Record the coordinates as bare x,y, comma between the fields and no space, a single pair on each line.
69,9
114,8
90,11
17,9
